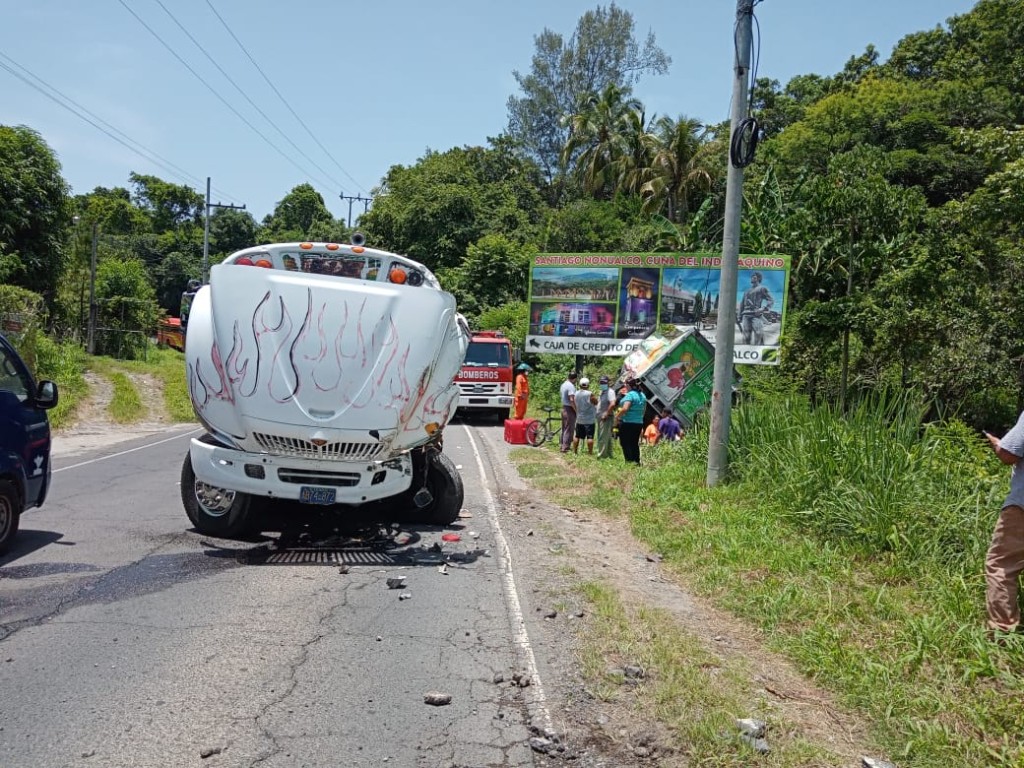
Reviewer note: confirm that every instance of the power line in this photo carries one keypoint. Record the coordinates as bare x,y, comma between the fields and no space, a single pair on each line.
140,149
282,98
245,96
214,91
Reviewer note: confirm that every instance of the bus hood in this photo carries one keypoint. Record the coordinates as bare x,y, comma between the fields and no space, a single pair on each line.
274,357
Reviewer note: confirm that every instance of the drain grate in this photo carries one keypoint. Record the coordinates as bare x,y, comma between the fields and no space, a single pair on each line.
327,557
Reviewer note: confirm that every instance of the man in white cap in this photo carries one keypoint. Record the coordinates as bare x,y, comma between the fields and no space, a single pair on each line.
567,395
586,416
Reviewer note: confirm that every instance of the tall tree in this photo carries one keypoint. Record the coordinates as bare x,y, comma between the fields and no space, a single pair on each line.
602,51
680,166
299,215
598,138
231,230
168,205
432,211
495,271
33,211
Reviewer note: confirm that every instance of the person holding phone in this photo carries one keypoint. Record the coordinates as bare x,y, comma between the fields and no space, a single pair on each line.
1004,561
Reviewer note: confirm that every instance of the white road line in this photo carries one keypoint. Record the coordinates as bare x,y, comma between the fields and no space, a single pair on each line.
130,450
520,636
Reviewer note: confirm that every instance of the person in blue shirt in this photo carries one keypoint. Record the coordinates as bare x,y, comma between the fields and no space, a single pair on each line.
630,420
668,427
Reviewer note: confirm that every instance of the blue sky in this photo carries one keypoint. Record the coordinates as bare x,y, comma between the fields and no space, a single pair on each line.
377,83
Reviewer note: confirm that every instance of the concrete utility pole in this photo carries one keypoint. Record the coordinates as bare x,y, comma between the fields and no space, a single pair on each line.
721,394
206,227
366,205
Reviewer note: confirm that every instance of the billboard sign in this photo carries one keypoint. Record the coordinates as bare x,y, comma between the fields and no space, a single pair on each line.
604,304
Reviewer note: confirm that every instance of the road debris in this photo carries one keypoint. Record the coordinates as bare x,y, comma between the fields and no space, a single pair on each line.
436,698
521,680
752,732
405,596
634,672
751,727
396,582
452,537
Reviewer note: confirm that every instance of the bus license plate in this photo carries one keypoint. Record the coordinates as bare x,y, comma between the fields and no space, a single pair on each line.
311,494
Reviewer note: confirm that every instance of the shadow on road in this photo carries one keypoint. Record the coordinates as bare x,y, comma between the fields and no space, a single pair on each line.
317,538
28,541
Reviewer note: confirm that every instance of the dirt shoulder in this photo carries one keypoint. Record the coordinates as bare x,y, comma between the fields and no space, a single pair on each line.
93,427
556,551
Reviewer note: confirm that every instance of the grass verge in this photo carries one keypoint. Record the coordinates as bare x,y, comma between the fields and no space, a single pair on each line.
64,364
696,694
855,543
125,406
167,365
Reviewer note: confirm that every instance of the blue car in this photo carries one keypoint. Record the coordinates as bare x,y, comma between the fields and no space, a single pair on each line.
24,440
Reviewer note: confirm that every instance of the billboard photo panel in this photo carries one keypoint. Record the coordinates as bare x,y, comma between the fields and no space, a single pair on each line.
604,304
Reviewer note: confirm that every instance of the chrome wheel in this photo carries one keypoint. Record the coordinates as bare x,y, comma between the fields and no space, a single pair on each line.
216,502
212,510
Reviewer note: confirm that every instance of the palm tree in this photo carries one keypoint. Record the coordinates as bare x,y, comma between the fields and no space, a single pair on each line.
595,138
679,166
632,168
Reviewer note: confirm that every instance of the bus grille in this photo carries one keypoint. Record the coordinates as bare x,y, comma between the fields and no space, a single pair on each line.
293,446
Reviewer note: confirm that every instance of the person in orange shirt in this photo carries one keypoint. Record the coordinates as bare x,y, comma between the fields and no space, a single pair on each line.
522,393
651,432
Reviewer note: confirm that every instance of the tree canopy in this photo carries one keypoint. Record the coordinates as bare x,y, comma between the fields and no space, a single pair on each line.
33,211
896,185
602,51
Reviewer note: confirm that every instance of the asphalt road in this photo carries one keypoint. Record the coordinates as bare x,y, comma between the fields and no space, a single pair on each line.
128,639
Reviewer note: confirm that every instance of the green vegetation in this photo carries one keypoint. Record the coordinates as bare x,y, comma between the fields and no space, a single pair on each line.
168,366
164,364
697,694
895,186
64,364
855,543
126,405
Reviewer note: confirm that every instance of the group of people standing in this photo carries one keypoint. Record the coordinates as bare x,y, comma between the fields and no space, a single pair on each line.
594,417
590,417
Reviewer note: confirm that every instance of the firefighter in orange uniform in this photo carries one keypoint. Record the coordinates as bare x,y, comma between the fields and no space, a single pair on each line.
522,393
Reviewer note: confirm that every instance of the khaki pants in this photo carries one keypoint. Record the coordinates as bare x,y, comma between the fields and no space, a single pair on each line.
1003,566
603,445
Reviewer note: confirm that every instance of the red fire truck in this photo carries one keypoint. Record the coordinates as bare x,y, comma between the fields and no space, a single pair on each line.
485,380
